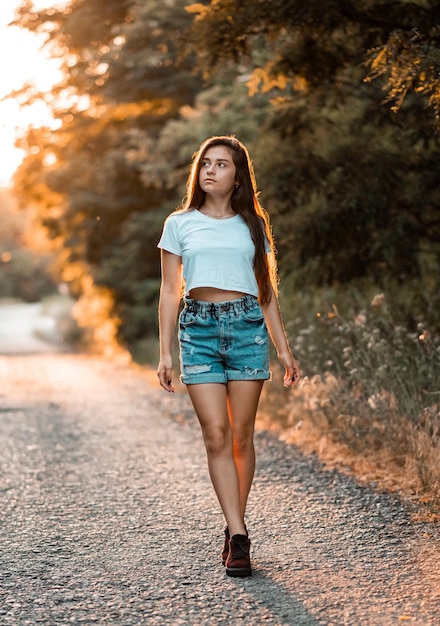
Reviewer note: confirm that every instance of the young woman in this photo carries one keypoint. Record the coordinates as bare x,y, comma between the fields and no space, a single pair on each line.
220,244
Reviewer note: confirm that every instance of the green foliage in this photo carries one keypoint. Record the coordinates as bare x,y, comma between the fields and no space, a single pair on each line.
131,271
148,66
347,197
310,41
24,274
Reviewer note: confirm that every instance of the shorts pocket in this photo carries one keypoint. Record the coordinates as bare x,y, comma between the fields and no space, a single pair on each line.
253,315
187,318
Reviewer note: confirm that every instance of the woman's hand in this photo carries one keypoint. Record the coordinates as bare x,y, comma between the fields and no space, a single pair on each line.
165,373
293,369
279,338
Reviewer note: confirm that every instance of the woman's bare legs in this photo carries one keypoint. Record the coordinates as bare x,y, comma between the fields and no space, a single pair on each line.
243,397
227,417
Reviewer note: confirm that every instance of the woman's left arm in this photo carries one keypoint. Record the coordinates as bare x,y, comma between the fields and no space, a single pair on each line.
275,326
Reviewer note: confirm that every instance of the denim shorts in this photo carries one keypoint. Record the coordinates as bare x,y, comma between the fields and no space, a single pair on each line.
222,341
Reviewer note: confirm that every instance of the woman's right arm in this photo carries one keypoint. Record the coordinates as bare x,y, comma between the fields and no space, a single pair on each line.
169,300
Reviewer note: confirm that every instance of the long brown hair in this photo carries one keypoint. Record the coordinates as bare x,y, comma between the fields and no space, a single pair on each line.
244,201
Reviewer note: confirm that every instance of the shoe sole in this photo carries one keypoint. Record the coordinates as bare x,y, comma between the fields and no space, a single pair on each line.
238,572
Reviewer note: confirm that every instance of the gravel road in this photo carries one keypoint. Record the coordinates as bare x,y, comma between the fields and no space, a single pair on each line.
26,329
108,517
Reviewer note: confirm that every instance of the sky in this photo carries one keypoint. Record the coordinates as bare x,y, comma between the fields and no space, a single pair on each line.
21,60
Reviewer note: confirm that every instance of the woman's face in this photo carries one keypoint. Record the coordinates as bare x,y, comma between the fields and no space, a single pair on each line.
217,171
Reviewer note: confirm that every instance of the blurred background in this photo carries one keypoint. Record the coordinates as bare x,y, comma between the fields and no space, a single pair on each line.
104,103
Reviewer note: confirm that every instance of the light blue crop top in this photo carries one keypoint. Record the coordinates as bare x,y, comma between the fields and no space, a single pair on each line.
215,253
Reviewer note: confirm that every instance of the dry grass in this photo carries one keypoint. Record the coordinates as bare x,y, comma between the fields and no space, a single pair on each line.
372,441
382,403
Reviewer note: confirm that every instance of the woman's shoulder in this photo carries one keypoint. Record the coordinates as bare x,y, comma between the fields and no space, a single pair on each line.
182,213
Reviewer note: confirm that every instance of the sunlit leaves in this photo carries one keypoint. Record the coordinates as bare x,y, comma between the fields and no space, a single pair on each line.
410,61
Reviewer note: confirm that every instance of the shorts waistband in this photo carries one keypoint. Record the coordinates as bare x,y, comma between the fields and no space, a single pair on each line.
246,303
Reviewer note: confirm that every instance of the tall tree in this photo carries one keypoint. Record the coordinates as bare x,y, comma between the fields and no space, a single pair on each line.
341,171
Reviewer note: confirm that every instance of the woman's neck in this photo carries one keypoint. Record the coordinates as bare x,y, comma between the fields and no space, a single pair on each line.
217,208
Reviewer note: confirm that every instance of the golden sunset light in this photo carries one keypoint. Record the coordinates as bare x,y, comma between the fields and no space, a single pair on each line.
23,61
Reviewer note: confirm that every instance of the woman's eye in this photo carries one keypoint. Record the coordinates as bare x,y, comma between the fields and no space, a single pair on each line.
209,164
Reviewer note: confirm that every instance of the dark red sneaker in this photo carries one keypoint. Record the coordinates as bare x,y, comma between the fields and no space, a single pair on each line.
238,562
225,550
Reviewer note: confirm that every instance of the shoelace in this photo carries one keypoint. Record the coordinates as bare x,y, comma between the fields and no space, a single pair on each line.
238,550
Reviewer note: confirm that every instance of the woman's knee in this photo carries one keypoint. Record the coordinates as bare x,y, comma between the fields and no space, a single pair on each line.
218,440
243,441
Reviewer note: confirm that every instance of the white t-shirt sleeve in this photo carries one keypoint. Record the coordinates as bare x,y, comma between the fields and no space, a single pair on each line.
170,239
